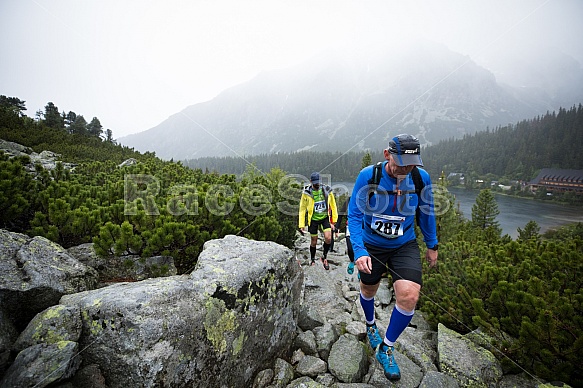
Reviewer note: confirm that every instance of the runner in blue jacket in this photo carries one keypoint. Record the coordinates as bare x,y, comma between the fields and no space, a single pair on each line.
381,221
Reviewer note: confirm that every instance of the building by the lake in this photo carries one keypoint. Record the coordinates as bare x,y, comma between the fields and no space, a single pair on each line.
555,180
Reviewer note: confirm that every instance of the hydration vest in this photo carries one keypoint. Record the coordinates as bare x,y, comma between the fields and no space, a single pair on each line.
375,179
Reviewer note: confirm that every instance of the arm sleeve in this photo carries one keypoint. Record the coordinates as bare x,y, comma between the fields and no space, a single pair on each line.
356,208
302,212
333,208
427,222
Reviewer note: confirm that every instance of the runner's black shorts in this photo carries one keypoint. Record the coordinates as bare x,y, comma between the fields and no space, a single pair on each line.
314,225
403,262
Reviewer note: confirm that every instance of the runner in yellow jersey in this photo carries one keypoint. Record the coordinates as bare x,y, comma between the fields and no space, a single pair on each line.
316,201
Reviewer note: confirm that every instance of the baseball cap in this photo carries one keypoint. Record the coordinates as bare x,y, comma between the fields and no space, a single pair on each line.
406,150
315,177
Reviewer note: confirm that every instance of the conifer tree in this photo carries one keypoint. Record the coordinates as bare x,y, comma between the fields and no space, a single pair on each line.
531,230
69,118
79,126
485,210
95,128
109,136
12,104
52,116
366,160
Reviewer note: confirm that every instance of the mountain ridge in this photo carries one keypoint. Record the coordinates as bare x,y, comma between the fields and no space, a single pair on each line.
349,102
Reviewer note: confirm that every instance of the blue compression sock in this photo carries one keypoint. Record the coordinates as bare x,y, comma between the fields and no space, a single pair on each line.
399,321
368,308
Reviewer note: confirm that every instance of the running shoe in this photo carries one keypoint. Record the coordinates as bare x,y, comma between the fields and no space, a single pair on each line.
387,360
350,268
325,263
374,338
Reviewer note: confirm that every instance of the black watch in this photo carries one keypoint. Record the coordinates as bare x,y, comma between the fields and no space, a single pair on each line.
435,247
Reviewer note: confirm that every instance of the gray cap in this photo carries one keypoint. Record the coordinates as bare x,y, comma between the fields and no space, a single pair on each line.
406,149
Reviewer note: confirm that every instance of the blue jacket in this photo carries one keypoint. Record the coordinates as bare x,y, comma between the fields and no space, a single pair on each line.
385,219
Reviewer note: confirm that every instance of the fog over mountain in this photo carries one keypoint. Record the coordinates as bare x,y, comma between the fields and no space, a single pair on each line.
357,99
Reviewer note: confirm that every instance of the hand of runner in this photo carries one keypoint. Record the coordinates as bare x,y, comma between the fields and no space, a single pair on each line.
431,257
364,264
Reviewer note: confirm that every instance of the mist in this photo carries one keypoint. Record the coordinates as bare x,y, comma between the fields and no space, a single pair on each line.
133,64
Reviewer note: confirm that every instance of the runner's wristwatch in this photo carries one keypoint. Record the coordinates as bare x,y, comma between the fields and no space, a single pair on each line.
435,247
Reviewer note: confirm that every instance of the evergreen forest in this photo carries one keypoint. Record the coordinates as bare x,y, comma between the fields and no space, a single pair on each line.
520,298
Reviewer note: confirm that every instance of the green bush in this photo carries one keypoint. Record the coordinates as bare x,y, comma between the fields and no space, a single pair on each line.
526,290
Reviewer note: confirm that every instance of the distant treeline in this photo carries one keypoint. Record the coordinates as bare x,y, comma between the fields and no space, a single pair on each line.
342,167
554,140
512,152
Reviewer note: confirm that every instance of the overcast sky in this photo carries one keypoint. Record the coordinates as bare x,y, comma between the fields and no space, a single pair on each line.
132,64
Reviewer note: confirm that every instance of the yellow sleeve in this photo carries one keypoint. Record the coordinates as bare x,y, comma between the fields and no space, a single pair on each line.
332,202
302,213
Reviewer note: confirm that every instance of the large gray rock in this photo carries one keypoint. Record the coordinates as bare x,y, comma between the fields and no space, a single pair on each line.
219,326
13,149
283,373
434,379
35,274
325,338
311,366
419,346
462,359
53,325
348,359
306,341
47,159
43,364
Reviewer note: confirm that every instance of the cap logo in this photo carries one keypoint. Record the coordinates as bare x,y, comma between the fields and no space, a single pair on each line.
415,151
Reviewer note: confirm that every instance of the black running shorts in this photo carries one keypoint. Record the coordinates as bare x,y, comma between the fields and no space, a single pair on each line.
314,225
403,262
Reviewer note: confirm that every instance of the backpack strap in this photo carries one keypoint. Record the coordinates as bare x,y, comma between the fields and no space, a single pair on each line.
417,181
375,179
419,185
377,174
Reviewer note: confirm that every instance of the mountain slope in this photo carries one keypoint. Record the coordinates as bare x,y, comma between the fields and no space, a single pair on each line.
340,102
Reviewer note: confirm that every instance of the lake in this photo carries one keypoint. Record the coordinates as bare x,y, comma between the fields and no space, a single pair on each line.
515,212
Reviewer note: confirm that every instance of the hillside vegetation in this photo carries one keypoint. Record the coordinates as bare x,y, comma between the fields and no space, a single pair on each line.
524,296
150,208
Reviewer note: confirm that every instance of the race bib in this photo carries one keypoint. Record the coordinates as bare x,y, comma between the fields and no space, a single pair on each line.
320,207
387,226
